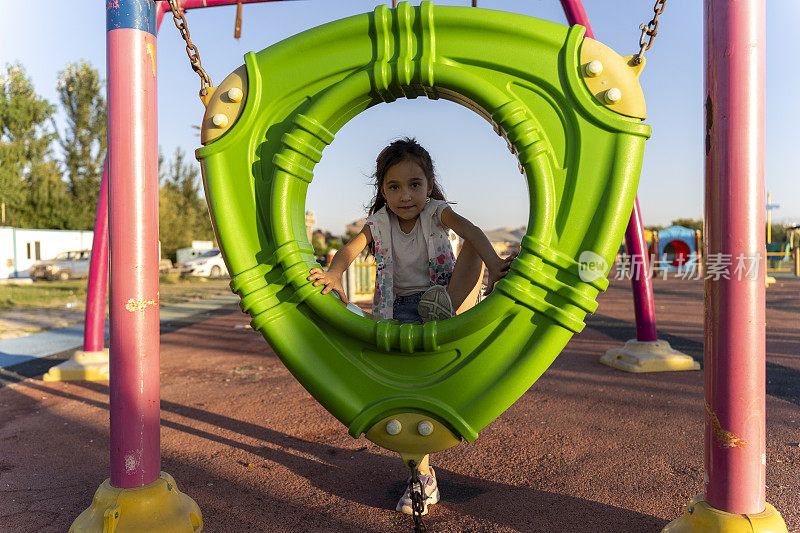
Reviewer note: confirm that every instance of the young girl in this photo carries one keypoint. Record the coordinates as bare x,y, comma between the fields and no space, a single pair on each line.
417,278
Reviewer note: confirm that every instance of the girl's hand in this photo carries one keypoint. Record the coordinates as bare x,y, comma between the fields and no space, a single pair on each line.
499,272
330,280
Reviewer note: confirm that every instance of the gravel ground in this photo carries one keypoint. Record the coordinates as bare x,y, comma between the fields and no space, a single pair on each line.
586,449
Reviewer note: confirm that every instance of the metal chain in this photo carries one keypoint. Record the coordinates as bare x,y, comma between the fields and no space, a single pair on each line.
191,49
417,498
651,30
417,502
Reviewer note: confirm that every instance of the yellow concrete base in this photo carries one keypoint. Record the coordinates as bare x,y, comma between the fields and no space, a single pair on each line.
769,280
655,356
700,517
158,507
90,366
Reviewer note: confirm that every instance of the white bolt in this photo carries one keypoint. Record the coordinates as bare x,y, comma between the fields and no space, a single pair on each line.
613,95
220,120
235,94
425,428
594,68
393,427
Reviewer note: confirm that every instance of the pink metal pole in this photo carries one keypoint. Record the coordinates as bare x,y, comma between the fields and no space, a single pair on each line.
576,14
643,303
94,331
133,199
734,217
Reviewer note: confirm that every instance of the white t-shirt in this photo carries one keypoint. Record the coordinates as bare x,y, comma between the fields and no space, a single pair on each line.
410,258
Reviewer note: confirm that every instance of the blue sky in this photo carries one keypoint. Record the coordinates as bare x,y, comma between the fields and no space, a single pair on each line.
473,163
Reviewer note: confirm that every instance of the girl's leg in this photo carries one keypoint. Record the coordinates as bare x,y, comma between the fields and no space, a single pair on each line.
425,466
467,273
428,484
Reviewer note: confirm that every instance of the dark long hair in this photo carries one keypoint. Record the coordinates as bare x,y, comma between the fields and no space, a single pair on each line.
398,151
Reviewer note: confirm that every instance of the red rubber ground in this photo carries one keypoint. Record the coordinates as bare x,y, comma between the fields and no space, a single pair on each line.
587,448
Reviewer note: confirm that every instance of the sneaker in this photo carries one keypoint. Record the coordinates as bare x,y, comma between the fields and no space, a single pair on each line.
430,492
435,304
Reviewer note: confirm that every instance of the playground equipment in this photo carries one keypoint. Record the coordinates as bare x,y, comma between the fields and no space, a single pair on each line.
125,501
734,348
642,287
794,245
264,137
645,353
785,256
676,247
792,248
735,341
780,257
658,355
770,208
92,362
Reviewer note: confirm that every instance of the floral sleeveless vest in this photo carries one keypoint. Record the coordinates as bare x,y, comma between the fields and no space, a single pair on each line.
440,255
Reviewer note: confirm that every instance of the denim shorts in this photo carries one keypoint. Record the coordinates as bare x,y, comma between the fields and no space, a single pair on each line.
405,308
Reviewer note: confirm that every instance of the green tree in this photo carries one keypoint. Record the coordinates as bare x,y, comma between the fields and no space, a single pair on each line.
319,244
691,223
47,204
26,161
780,232
182,213
84,141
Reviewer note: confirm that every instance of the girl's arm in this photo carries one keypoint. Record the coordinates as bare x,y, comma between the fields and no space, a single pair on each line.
468,231
344,257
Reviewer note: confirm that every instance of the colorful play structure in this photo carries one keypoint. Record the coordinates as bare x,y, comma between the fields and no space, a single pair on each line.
783,256
678,250
671,247
676,246
560,98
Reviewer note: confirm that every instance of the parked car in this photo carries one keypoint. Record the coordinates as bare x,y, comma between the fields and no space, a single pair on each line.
64,266
210,264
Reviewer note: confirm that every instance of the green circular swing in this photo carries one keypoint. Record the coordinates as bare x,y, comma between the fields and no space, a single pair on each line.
578,137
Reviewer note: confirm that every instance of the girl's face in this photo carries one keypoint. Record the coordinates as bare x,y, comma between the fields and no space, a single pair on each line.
406,189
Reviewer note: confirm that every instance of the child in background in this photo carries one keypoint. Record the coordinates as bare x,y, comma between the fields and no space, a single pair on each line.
417,277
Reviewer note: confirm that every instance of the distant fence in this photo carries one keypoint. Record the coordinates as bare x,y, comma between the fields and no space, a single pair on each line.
359,279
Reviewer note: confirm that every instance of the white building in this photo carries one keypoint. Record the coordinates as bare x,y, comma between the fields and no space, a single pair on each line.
20,248
311,221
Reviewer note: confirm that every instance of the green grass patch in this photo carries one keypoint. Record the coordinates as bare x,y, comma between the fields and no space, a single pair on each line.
43,294
57,294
